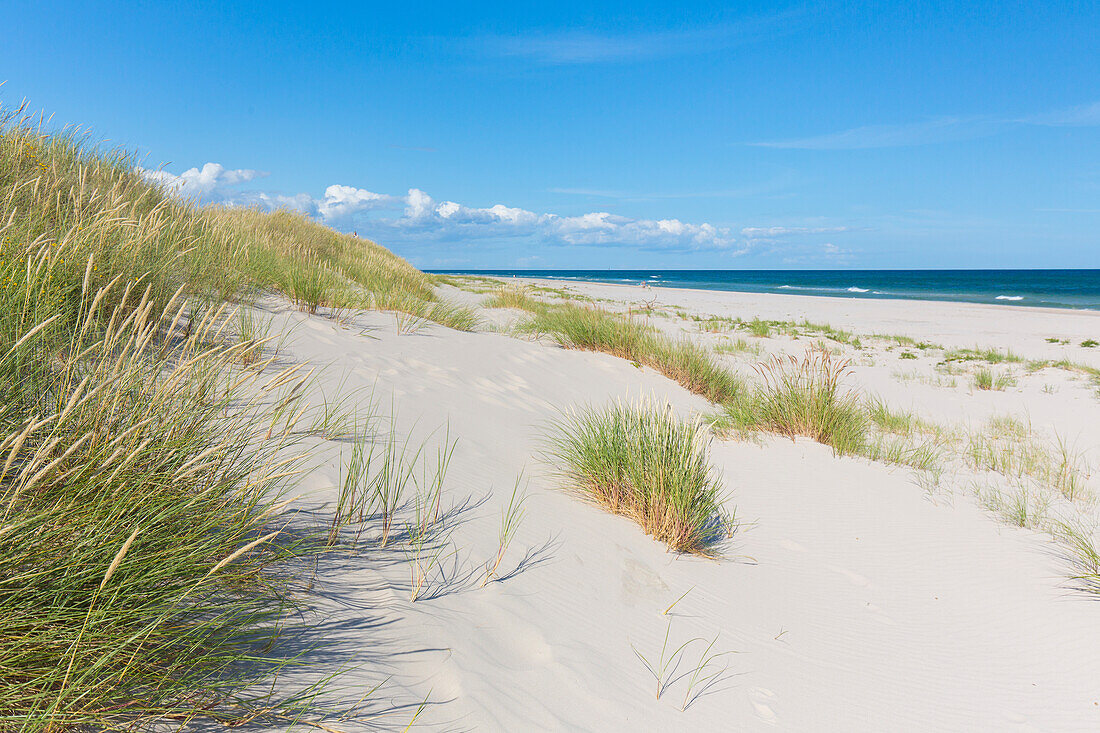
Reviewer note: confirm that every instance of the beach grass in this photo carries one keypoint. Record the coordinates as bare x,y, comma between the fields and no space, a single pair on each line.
512,296
987,379
318,267
146,436
806,397
801,397
594,329
1012,448
990,356
641,462
139,515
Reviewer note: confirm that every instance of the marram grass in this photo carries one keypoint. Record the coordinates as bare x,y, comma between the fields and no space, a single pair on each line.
802,397
641,462
594,329
145,438
137,514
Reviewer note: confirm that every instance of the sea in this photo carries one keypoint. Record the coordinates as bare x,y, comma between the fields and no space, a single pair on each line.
1078,289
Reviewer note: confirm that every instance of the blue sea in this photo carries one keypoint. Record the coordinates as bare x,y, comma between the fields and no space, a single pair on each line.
1078,289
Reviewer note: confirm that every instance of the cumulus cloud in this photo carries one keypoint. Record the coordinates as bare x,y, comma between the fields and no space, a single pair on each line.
209,182
214,183
343,202
418,217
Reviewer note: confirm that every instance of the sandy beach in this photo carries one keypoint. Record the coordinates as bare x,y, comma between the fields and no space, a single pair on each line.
593,368
853,595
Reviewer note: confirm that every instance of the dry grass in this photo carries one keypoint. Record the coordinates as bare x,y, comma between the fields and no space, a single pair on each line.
595,329
802,397
318,267
1012,448
514,296
144,440
137,502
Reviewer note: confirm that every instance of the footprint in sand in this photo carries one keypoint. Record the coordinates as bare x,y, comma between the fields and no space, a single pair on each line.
516,644
762,700
640,582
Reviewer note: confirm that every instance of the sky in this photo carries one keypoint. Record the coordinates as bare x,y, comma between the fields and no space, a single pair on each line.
595,134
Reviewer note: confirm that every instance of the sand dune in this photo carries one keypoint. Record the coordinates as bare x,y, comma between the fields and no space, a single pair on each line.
851,598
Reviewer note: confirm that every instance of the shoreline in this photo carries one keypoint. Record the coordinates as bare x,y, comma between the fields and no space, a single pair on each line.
1002,301
1021,329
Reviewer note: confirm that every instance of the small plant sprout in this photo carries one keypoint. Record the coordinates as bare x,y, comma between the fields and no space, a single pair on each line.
423,554
759,328
408,322
432,482
354,498
664,666
417,712
673,604
705,674
251,335
392,478
510,518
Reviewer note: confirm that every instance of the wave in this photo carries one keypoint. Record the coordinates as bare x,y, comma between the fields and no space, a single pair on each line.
1009,297
822,289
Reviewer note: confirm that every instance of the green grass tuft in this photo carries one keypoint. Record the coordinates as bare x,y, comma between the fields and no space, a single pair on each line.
594,329
141,454
641,462
805,397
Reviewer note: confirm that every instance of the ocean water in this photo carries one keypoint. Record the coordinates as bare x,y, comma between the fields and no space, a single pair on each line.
1078,289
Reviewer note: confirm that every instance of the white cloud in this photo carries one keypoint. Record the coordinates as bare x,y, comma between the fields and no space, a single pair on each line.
206,183
341,202
417,217
302,202
214,183
419,206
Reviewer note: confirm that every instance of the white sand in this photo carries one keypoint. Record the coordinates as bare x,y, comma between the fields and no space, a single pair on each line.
850,599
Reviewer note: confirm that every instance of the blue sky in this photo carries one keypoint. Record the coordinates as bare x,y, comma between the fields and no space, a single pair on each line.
748,135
